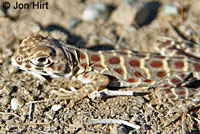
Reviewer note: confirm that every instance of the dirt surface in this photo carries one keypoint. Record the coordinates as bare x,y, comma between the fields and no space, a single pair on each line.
37,115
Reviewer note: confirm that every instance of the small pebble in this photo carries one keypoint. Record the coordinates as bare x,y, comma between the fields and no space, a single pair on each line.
4,101
6,90
132,132
126,12
1,61
12,69
56,107
73,22
96,10
49,115
17,103
133,2
118,129
170,9
5,116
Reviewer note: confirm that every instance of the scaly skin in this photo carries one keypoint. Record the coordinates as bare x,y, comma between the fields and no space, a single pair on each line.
175,73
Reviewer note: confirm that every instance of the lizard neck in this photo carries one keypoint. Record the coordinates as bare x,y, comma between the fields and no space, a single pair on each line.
75,59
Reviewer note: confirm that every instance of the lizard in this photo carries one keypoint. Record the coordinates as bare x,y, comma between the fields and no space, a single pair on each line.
176,69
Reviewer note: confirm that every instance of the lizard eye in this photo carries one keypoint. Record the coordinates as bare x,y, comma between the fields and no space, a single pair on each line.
40,61
43,60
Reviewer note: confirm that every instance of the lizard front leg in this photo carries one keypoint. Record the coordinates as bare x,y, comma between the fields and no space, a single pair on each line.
92,82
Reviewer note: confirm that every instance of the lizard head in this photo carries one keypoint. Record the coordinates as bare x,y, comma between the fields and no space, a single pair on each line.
43,56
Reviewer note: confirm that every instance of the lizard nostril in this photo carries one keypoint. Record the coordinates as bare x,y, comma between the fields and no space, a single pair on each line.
19,59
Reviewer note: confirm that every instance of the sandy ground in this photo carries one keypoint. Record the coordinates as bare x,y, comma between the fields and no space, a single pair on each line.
36,115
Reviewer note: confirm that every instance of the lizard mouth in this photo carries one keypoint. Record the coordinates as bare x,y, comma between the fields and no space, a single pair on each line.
14,63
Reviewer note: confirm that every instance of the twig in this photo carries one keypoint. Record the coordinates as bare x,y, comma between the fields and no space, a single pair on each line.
30,111
107,92
120,39
107,39
10,114
42,101
119,93
42,132
113,121
196,119
27,124
181,11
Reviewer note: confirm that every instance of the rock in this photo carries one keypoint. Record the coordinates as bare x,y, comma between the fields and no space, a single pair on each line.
96,10
25,27
5,90
170,9
11,12
56,107
126,12
133,2
5,117
58,35
49,115
135,12
73,22
17,103
12,69
1,61
6,33
147,13
4,101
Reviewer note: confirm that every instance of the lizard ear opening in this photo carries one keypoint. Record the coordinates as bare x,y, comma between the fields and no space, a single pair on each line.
67,69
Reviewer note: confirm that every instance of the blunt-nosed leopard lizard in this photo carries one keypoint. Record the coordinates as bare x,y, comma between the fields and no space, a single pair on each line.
178,72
